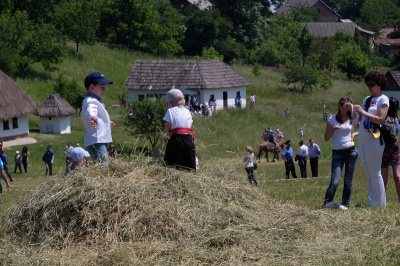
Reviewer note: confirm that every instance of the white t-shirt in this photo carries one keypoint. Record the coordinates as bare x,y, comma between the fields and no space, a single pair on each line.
373,109
303,151
250,159
341,138
179,117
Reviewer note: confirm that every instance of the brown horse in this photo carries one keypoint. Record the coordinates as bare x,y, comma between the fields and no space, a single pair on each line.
265,147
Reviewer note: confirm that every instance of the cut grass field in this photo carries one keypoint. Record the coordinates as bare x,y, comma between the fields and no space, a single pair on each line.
139,213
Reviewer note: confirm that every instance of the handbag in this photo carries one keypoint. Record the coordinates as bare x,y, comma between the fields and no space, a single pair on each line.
254,166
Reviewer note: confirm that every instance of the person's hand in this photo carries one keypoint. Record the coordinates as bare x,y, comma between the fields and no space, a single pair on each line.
93,122
112,124
357,108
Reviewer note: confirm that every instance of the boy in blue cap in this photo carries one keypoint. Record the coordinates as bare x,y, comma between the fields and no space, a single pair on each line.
95,117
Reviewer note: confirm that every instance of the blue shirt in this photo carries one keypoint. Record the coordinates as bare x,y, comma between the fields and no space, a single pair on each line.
313,150
287,153
48,156
4,159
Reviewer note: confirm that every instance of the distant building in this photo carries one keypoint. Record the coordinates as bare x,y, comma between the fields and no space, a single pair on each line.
201,78
15,106
393,86
327,14
55,115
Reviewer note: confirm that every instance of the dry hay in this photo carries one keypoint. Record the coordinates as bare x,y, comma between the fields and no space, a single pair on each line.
135,213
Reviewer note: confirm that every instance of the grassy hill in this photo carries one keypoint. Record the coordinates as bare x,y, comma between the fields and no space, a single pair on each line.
140,213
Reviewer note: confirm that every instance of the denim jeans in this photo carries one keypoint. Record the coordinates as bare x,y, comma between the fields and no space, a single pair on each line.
98,152
348,160
250,175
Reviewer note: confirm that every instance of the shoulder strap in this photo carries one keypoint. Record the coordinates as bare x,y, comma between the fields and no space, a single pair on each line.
368,103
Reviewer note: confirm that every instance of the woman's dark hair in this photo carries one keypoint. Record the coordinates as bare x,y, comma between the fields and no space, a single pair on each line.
24,149
349,115
393,107
377,77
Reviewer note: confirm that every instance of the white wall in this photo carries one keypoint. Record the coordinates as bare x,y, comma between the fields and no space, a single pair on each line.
23,128
55,125
204,95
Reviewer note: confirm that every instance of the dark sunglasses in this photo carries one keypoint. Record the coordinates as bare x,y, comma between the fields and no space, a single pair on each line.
371,84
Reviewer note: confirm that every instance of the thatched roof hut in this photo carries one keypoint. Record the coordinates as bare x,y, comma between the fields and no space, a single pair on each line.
55,106
55,114
14,101
206,77
188,74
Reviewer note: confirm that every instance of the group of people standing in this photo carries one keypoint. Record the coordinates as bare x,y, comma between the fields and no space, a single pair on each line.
312,151
377,123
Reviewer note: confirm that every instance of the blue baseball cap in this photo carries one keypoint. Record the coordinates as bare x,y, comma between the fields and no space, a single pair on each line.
96,78
372,127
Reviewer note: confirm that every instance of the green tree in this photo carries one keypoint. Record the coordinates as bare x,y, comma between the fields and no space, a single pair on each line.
305,77
147,119
71,91
352,61
72,19
305,41
247,18
24,43
349,9
377,14
205,28
305,14
147,25
282,42
322,52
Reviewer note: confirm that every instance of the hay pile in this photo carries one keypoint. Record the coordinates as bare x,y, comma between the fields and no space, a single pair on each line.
135,214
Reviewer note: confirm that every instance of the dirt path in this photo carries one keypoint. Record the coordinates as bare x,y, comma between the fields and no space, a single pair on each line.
18,142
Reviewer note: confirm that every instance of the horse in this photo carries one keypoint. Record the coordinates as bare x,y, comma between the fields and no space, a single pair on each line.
265,147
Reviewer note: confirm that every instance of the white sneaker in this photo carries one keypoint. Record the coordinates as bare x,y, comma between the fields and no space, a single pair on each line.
342,207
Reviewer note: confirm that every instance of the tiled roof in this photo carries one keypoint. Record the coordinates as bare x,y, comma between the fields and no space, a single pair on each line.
187,74
387,41
288,5
396,76
325,29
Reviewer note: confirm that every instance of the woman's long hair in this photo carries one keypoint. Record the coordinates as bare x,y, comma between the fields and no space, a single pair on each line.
349,114
393,107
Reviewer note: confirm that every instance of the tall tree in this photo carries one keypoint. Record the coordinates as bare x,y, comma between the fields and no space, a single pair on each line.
247,18
347,9
72,19
148,25
205,28
377,14
352,61
24,43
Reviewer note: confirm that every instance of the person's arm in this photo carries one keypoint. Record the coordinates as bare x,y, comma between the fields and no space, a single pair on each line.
353,135
329,131
3,176
378,119
168,127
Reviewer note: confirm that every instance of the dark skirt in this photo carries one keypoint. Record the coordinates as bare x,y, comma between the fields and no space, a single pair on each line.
181,152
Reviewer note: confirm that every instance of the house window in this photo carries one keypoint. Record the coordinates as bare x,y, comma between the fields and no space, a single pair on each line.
319,10
140,97
6,125
49,117
15,122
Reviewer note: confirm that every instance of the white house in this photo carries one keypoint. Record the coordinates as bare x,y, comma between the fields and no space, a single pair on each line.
201,78
15,106
55,115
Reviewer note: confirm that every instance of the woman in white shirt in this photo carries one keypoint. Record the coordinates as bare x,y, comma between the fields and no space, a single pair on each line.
344,153
370,147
